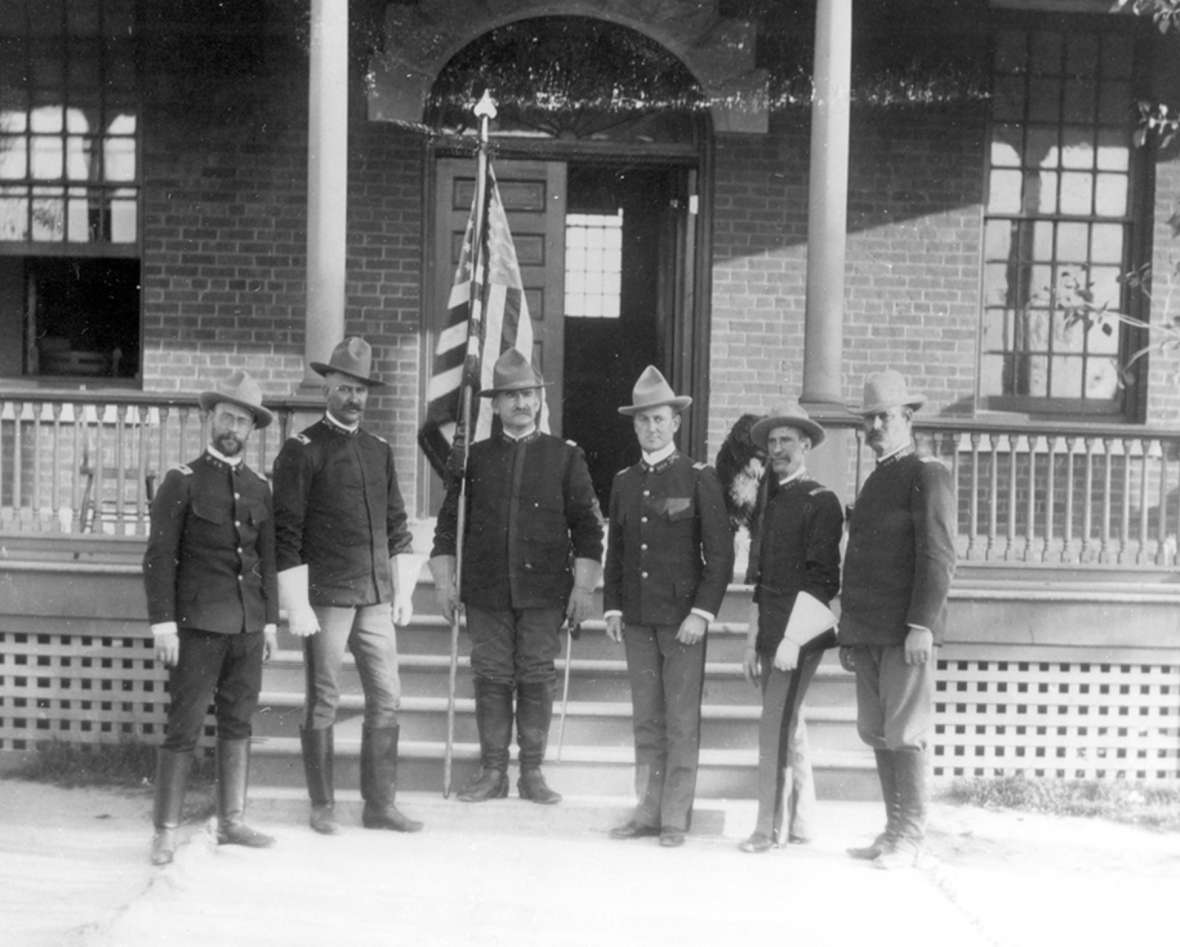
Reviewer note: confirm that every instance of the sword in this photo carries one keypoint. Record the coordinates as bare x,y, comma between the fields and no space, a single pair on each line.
573,632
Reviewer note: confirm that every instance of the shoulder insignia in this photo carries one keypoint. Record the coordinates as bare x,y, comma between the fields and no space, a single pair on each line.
699,466
619,473
184,470
380,438
572,443
302,438
819,490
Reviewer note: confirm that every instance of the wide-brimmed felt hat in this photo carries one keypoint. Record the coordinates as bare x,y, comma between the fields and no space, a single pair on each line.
652,391
887,389
241,390
352,357
513,372
791,414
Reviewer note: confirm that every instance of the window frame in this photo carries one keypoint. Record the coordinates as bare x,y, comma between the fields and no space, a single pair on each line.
1129,402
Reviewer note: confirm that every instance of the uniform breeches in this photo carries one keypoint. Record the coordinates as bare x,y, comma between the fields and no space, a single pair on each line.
894,700
514,646
781,735
369,634
224,668
667,678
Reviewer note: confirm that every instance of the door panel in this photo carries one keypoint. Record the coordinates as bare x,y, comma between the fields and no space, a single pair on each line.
534,198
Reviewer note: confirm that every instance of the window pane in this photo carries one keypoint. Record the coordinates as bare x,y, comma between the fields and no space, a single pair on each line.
1104,284
1108,244
48,214
1076,194
1066,377
996,330
1040,150
1073,244
1102,379
991,376
47,157
1111,195
1045,53
13,159
1115,104
47,118
1042,248
1113,152
997,238
1044,104
14,214
78,216
1005,146
1011,52
996,291
1081,54
119,159
1005,192
1116,55
1079,148
1046,197
1008,99
1080,101
593,262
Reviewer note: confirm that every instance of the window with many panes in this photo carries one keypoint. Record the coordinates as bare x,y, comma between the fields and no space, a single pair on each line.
593,265
69,188
1058,219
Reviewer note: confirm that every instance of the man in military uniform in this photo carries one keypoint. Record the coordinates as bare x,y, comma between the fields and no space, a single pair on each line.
212,598
897,573
669,561
795,569
346,577
532,547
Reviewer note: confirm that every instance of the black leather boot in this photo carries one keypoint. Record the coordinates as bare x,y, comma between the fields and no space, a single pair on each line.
318,751
172,771
379,781
909,768
886,773
493,718
233,769
534,710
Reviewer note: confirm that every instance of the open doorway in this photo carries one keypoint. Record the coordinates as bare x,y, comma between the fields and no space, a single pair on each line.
618,308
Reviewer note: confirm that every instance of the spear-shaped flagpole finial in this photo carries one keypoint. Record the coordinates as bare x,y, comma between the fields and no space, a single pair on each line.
486,106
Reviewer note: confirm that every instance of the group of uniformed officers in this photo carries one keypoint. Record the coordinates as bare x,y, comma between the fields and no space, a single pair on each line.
331,548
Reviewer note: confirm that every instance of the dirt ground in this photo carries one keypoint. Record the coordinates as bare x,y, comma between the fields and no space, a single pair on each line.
73,871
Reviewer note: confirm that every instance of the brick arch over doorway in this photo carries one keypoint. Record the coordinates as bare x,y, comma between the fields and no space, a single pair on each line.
717,50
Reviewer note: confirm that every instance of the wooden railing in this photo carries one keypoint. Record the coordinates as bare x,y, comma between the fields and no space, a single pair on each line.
86,462
1059,495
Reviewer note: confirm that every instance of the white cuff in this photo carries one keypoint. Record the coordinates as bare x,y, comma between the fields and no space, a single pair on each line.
707,616
161,628
612,613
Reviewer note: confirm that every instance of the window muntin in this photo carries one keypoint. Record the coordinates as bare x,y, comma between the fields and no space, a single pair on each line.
593,265
1057,218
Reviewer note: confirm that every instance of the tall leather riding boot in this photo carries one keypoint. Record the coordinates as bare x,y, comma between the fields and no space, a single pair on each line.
233,768
909,768
379,781
318,752
172,771
886,773
493,718
534,710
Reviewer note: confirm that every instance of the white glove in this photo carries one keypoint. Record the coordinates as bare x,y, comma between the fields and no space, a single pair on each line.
293,600
405,569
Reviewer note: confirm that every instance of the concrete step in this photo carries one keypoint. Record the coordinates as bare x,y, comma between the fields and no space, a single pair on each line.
590,679
586,770
587,722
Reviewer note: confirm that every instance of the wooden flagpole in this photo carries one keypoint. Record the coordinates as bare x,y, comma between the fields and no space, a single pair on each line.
485,111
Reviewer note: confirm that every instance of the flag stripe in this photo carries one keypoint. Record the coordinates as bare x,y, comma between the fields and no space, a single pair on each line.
471,336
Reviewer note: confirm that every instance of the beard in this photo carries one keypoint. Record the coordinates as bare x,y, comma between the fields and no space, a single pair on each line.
230,445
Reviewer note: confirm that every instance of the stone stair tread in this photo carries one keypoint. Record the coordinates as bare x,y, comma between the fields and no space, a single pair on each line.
596,708
621,755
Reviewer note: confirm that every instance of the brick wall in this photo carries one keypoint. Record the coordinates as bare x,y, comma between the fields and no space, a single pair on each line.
225,240
911,272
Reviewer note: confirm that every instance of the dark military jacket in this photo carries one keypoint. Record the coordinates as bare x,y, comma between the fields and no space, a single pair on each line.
531,510
339,509
901,553
670,546
798,551
210,558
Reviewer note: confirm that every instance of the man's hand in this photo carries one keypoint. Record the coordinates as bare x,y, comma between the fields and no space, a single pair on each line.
919,645
847,657
302,622
786,657
447,600
692,629
614,628
168,649
752,665
446,595
580,606
403,609
270,641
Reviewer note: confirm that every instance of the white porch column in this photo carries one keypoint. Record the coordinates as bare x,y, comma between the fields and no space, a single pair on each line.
327,181
827,205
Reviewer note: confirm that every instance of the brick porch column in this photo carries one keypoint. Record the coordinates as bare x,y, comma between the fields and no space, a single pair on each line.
327,182
827,215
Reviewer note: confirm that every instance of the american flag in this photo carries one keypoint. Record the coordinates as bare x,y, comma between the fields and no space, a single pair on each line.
476,330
